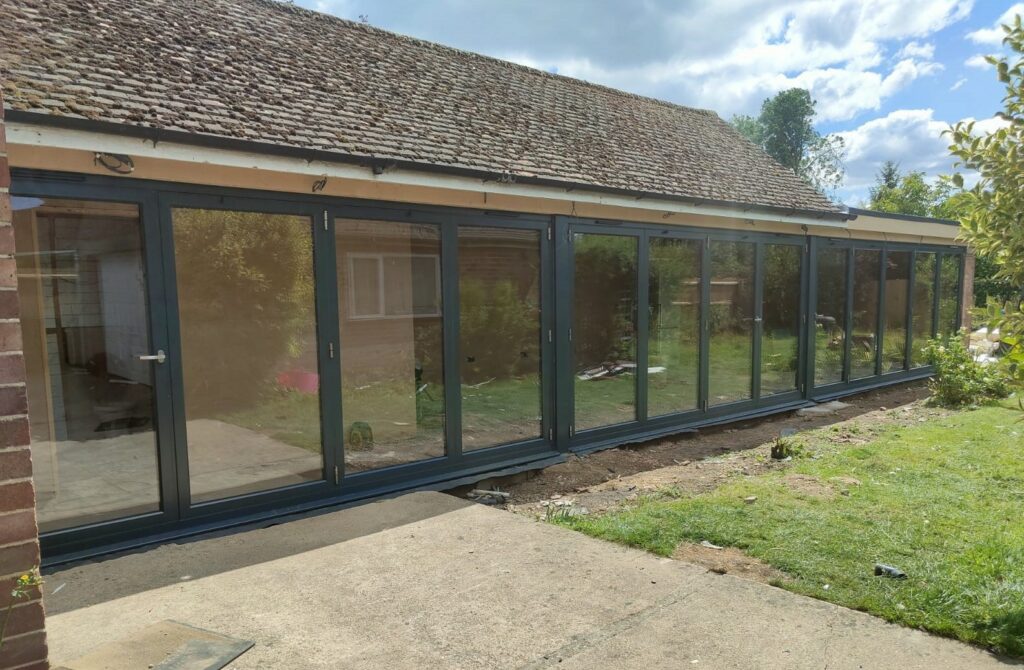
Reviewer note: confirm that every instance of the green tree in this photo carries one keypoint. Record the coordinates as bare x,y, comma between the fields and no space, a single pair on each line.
908,193
785,130
994,206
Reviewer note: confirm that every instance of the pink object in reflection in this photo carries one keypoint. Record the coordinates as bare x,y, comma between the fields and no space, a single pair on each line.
299,380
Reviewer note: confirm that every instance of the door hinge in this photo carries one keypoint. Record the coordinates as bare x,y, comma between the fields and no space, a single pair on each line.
330,349
551,434
572,430
570,334
337,476
550,236
325,219
551,337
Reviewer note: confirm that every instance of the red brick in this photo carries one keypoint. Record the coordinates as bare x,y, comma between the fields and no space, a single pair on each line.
7,585
10,335
25,618
12,369
5,173
8,273
13,401
23,649
14,432
6,232
19,558
6,215
9,308
18,527
16,496
15,464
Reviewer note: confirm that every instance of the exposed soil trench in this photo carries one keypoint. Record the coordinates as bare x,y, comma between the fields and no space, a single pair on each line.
695,463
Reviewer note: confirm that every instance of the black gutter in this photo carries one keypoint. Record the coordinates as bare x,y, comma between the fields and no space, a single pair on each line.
900,217
380,165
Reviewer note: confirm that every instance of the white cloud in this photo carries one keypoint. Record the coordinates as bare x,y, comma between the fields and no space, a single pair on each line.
978,61
911,137
959,82
917,50
727,55
995,34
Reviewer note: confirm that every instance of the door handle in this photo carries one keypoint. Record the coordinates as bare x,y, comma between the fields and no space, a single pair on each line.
159,356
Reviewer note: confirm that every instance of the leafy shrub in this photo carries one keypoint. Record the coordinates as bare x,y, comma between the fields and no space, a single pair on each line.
959,379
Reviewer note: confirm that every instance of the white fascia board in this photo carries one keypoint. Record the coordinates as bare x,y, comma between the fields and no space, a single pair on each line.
78,140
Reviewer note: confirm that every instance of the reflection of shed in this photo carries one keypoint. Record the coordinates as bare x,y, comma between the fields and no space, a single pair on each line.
726,291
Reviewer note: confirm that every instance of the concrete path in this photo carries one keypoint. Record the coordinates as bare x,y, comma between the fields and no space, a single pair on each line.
465,586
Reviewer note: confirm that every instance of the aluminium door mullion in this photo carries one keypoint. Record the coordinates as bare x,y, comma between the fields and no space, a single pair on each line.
851,257
642,323
809,330
328,329
564,383
803,357
174,356
758,322
450,342
908,345
159,339
548,368
880,321
936,282
704,367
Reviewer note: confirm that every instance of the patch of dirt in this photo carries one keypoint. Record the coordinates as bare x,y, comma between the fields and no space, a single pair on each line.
728,560
810,486
695,463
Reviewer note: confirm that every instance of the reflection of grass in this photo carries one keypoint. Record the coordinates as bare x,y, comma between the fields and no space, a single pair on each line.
940,500
731,356
287,416
505,410
779,355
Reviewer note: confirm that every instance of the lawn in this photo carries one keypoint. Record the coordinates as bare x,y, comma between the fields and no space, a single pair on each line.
940,499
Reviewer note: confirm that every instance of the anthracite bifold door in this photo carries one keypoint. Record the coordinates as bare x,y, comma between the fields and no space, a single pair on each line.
876,305
665,327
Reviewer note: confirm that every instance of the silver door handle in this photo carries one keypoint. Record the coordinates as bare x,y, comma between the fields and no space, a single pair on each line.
159,356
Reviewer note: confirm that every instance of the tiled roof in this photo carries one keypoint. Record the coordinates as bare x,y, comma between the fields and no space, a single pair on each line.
271,72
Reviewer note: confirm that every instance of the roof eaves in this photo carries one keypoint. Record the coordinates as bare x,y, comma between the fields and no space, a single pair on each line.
856,211
382,163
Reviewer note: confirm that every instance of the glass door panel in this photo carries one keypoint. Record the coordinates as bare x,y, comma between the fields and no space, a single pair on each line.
604,329
949,294
248,347
830,317
499,335
392,363
780,313
924,304
674,296
731,322
897,293
864,329
82,285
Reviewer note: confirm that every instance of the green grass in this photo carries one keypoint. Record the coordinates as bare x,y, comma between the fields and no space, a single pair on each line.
942,500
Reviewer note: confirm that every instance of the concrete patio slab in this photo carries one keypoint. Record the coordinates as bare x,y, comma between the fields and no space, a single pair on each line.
464,586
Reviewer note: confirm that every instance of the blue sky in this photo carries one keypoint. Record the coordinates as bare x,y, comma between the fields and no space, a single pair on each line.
888,75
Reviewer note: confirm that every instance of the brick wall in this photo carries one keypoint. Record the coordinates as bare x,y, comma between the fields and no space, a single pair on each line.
25,645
